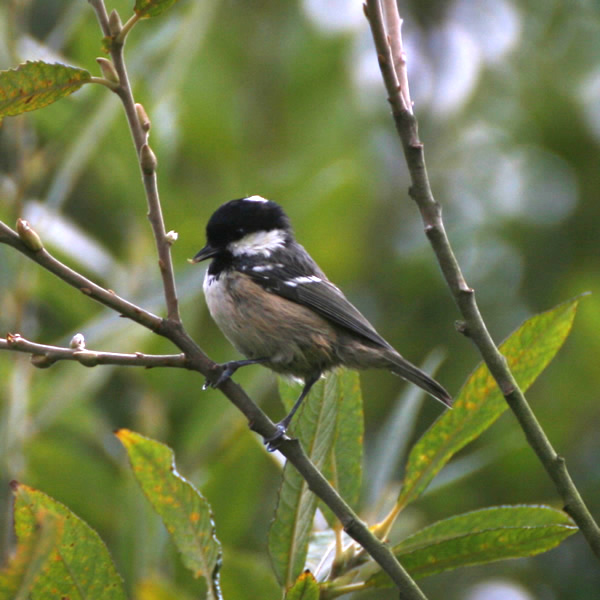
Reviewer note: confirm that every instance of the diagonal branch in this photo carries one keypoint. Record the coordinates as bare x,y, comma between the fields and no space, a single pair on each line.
194,358
464,296
78,281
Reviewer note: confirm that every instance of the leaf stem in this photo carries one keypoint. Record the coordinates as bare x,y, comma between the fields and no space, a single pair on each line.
111,85
127,27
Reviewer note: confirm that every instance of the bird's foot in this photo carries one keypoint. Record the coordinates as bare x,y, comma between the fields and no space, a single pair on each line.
226,371
273,442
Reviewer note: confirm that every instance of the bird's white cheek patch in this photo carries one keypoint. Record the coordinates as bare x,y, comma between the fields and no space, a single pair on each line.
261,242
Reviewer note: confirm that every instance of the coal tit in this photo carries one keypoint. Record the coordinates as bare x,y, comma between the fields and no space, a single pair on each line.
277,307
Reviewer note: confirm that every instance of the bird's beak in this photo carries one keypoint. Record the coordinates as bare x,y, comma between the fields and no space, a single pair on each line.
207,252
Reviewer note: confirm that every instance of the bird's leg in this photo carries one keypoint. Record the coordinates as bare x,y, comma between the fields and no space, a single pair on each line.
229,368
273,442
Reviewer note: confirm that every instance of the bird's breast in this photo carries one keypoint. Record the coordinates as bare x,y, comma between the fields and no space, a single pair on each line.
261,324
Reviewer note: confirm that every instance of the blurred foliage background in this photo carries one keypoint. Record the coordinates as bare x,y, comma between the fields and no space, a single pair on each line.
284,99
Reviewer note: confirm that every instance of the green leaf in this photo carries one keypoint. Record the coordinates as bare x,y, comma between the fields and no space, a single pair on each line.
528,351
305,588
315,428
33,85
152,8
79,565
184,511
481,536
17,578
343,468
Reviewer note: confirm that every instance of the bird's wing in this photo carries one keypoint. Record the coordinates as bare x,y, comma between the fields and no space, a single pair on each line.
303,282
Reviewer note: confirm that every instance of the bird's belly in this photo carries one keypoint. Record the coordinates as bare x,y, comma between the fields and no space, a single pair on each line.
259,324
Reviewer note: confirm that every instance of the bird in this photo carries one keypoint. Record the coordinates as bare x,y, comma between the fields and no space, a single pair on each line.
278,308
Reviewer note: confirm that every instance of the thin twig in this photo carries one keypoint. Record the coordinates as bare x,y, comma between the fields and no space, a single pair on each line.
44,355
78,281
117,34
394,29
464,296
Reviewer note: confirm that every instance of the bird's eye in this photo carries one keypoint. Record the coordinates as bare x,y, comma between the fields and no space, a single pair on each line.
240,231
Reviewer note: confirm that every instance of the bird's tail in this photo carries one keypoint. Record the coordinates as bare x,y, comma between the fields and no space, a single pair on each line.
400,366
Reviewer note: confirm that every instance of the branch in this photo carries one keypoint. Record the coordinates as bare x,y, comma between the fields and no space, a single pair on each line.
464,296
29,244
114,31
353,526
394,27
43,355
106,297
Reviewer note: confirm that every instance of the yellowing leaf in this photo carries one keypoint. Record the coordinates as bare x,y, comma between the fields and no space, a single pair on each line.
78,564
33,85
528,351
184,511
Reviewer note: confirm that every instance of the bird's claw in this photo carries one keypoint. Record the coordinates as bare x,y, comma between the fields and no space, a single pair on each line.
273,442
226,372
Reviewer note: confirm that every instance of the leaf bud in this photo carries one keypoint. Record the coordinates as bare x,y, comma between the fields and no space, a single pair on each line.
42,361
148,160
28,235
171,237
77,342
142,117
86,357
114,23
108,69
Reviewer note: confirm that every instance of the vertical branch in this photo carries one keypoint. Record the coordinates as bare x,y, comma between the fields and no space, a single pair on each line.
394,27
393,69
112,29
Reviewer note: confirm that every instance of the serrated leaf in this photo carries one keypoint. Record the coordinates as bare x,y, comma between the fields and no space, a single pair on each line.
152,8
183,510
305,588
528,351
290,532
33,85
479,537
79,565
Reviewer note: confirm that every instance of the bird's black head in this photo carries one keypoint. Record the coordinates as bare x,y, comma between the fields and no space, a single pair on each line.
236,221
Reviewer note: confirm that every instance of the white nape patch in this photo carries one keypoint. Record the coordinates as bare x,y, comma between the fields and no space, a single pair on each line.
260,242
256,199
302,280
